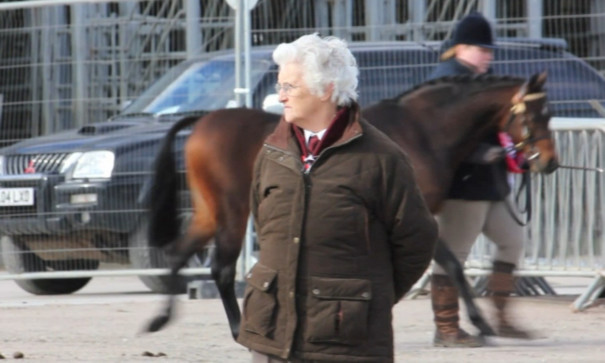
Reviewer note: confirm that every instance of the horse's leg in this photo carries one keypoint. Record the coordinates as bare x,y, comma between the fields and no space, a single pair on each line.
223,272
449,262
229,239
200,231
180,255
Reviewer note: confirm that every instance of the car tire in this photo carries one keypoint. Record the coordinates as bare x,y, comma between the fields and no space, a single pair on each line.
142,256
18,258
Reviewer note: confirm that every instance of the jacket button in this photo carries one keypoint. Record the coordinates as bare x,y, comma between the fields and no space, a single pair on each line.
296,239
365,295
315,291
265,284
291,293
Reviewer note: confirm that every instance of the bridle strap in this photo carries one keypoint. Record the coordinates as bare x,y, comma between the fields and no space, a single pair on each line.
518,108
530,141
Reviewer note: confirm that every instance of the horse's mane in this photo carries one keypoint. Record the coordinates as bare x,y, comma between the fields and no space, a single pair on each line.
471,79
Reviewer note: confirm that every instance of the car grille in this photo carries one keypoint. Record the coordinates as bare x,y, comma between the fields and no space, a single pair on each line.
34,163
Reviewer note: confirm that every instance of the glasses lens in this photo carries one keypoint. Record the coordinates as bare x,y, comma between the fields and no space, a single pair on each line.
286,88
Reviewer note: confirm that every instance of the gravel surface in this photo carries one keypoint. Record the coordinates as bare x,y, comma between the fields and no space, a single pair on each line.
102,323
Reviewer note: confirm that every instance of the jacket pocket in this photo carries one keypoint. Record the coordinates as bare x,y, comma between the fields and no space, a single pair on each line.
337,310
260,300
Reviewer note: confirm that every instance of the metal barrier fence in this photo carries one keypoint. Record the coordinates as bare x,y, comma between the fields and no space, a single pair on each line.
75,63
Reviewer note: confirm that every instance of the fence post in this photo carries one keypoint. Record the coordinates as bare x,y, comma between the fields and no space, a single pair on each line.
79,48
193,32
535,13
417,11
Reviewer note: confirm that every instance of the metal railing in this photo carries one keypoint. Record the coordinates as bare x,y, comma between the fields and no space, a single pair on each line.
566,233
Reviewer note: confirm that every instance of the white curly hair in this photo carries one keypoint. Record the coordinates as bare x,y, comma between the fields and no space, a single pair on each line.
325,61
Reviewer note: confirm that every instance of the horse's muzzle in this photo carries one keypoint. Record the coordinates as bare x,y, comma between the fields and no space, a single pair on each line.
550,166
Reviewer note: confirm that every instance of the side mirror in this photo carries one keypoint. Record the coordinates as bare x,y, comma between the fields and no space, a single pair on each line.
271,104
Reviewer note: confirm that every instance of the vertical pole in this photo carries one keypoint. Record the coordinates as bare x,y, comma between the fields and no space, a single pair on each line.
373,18
34,17
321,17
247,39
534,18
193,32
79,79
238,52
390,20
488,9
597,31
417,11
342,16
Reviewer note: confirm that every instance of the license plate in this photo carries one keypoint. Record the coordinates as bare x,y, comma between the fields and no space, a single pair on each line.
14,197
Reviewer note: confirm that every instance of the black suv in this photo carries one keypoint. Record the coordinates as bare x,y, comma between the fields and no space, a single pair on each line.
71,200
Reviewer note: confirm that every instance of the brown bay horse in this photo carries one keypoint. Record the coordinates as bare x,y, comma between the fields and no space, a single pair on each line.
437,123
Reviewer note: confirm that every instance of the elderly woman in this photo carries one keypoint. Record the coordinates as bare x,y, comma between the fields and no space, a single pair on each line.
342,228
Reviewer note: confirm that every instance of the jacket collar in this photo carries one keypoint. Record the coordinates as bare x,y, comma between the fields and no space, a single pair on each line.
284,136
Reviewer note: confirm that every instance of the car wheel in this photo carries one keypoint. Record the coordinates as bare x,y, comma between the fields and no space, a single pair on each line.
18,258
142,256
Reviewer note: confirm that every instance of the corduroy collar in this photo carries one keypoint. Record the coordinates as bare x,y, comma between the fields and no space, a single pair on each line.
344,126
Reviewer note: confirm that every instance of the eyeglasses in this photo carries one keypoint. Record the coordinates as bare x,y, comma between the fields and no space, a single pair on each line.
286,87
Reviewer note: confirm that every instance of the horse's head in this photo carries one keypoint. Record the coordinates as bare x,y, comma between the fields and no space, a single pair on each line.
528,125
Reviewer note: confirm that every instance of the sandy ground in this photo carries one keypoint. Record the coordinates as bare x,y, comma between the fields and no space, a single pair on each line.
102,324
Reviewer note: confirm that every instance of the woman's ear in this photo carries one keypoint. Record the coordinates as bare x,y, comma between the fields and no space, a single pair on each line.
328,91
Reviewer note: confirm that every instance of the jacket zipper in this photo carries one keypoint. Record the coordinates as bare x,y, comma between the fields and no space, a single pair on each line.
327,149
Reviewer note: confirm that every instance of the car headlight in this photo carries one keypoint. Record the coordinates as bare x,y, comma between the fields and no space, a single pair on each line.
69,162
94,165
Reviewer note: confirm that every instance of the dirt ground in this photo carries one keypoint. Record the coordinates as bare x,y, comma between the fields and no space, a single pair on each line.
105,327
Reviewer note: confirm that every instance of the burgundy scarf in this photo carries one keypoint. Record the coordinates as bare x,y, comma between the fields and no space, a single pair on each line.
333,133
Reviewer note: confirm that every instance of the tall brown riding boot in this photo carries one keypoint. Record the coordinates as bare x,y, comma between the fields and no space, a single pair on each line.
500,286
444,298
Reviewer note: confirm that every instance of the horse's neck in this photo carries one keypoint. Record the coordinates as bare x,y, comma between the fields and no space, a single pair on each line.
461,132
458,126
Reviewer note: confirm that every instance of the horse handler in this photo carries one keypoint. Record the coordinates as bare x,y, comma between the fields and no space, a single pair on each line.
476,202
342,227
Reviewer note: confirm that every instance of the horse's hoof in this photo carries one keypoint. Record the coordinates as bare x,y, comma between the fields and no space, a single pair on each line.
157,324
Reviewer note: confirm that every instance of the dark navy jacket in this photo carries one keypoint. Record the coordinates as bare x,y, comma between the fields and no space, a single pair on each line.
475,181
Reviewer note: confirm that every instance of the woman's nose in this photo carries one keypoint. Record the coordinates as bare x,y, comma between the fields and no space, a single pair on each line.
281,96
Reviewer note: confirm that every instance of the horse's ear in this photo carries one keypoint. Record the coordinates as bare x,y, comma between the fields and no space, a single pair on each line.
536,82
534,85
518,97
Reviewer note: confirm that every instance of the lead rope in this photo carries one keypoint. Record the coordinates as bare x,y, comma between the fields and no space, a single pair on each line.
512,210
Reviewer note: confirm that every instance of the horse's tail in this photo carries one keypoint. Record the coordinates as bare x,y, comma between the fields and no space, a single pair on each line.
164,225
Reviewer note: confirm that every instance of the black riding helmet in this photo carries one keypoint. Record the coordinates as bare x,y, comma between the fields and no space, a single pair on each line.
473,29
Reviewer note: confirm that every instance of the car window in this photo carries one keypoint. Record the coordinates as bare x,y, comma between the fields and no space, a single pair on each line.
384,73
265,86
209,78
200,86
387,73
